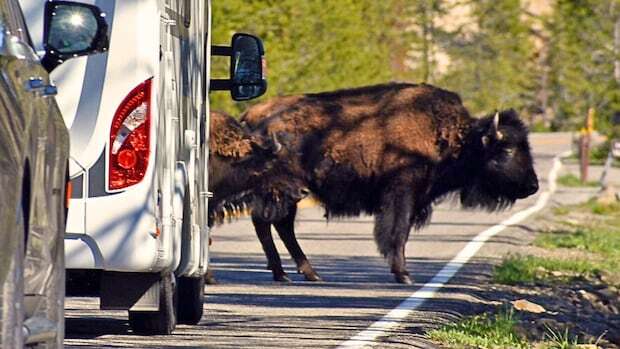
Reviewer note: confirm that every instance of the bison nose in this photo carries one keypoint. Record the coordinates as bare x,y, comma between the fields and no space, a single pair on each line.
533,187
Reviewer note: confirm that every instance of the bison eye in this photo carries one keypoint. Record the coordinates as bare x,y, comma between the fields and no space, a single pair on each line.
510,152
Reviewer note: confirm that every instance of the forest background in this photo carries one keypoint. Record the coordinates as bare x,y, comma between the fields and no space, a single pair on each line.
551,60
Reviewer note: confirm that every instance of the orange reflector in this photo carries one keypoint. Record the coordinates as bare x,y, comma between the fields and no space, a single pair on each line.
157,232
68,193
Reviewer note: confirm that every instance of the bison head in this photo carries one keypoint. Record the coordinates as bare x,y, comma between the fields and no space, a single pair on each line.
239,160
499,162
276,196
237,175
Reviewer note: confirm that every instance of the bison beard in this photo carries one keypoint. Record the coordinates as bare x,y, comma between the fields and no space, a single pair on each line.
388,150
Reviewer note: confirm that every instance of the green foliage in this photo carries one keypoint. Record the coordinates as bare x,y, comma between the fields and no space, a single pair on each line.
600,241
555,339
539,127
492,64
311,45
497,331
482,331
598,234
611,210
498,55
581,60
561,210
528,269
600,152
570,180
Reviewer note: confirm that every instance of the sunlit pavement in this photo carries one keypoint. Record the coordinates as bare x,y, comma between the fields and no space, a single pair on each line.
248,310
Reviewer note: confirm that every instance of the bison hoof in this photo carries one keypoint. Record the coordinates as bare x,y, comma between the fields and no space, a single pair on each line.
210,278
281,278
403,279
309,273
312,276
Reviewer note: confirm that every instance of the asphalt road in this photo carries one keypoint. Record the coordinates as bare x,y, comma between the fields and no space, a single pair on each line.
248,310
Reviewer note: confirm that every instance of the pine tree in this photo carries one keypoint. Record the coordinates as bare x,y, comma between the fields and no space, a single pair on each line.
312,45
492,61
582,60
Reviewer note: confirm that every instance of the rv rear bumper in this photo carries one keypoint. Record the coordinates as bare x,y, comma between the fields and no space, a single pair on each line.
120,234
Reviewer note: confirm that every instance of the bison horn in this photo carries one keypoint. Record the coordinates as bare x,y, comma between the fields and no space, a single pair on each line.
277,146
498,134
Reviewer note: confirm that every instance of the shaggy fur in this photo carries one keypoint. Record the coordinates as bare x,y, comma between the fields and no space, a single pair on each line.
388,150
237,162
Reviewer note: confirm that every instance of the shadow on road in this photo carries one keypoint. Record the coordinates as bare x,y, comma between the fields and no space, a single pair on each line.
92,327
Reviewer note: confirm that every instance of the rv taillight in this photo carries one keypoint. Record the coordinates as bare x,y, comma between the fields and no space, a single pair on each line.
129,138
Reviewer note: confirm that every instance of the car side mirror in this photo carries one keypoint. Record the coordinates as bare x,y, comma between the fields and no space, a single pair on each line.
71,30
247,67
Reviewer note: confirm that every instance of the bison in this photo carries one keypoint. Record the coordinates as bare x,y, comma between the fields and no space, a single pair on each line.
389,150
238,162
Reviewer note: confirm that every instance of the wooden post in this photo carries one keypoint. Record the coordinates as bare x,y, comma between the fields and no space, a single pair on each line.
584,145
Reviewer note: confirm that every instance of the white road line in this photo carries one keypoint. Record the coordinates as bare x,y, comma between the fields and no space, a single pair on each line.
393,319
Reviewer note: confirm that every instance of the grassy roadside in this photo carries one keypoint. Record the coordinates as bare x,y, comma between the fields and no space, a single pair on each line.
577,256
500,331
591,229
482,331
570,180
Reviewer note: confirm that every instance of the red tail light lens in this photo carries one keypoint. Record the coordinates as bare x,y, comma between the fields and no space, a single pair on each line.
129,138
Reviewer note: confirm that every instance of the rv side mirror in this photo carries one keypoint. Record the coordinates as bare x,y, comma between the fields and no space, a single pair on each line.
71,30
247,67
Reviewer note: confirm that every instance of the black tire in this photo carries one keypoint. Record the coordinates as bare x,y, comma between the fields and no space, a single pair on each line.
191,300
163,321
12,293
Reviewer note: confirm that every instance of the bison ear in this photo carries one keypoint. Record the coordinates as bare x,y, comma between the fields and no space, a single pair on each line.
485,140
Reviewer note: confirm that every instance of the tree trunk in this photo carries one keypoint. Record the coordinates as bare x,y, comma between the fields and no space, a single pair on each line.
617,50
425,42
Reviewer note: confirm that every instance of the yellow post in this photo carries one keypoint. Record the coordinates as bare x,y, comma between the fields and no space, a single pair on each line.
584,145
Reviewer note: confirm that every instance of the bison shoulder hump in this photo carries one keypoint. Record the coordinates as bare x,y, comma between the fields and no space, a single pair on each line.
226,136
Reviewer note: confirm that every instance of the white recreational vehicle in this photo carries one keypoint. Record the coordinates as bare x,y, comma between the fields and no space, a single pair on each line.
138,121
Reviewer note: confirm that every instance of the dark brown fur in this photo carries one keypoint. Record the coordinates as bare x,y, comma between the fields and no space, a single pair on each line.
237,162
389,150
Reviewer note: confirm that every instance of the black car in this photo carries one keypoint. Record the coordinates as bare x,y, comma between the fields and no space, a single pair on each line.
34,150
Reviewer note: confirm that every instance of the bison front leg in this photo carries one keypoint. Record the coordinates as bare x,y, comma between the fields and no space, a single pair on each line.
392,227
263,231
286,230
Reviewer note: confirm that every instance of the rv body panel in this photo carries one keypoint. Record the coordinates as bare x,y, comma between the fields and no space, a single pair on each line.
138,228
